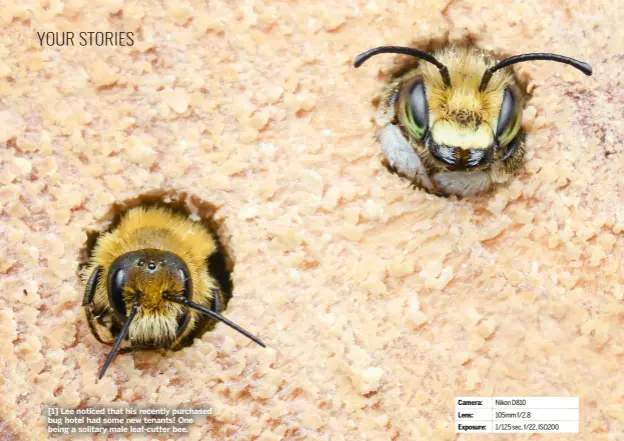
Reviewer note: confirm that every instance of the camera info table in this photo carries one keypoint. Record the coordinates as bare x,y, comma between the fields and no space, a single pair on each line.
517,414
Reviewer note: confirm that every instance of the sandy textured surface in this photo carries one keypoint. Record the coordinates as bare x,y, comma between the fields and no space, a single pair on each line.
379,303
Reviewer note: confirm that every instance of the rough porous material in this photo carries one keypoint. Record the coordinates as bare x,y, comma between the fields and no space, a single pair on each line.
379,303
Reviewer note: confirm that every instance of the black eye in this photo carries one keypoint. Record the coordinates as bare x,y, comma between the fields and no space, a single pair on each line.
506,112
115,291
420,109
188,284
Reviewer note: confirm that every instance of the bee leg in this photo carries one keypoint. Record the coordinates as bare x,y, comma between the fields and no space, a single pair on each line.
91,286
402,157
87,302
217,300
129,349
90,320
514,158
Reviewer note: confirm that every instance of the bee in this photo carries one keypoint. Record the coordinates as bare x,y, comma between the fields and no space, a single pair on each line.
453,124
150,282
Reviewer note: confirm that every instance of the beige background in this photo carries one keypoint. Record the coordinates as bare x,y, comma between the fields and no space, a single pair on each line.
379,303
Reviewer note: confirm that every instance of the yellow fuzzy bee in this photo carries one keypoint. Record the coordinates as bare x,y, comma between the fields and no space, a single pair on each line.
150,281
453,124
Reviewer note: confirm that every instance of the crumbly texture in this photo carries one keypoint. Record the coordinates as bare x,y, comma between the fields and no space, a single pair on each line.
379,303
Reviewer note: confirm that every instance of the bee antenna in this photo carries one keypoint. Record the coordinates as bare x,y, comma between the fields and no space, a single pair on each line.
122,334
186,302
360,59
580,65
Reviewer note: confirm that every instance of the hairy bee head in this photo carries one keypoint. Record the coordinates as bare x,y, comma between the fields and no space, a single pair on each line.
150,275
461,127
153,283
462,110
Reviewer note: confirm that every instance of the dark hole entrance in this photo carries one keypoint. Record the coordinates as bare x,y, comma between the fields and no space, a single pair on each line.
219,264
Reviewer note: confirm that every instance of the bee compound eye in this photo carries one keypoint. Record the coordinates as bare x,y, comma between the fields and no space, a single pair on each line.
418,102
412,108
506,112
188,284
115,291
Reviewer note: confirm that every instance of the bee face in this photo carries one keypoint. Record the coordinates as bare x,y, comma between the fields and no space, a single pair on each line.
151,274
460,127
453,124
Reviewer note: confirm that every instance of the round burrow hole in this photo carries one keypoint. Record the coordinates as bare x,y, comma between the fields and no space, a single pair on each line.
219,264
430,97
